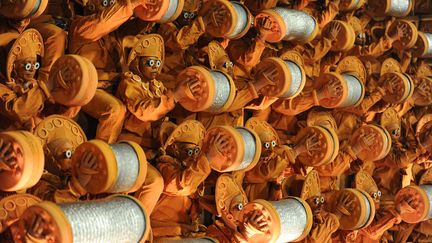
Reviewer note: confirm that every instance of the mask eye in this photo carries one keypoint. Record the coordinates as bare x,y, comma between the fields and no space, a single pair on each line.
273,143
191,15
379,193
322,200
225,65
186,15
150,63
158,63
317,200
375,195
190,152
112,2
267,145
68,154
395,132
197,150
105,3
36,65
231,64
239,206
91,7
28,66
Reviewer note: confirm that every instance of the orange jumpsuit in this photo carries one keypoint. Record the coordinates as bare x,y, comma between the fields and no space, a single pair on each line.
175,212
89,37
21,111
144,107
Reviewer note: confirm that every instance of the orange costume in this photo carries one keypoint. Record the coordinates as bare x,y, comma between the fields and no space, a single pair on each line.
308,188
264,178
183,167
146,99
22,96
89,37
229,202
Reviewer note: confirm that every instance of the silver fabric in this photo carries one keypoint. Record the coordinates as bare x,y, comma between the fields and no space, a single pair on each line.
355,90
222,89
299,25
429,40
242,20
293,219
117,220
249,145
368,209
428,190
197,240
172,7
296,79
398,8
127,167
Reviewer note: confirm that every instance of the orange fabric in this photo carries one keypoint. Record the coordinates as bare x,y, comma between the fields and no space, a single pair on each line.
322,230
268,169
54,43
150,191
177,41
88,35
303,102
246,54
141,102
374,50
110,112
378,227
174,212
22,109
339,165
219,231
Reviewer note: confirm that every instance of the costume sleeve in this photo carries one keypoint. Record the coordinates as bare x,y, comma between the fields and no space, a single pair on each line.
319,50
243,97
339,164
141,102
291,107
321,232
367,102
401,157
328,14
183,38
270,170
86,29
21,108
375,50
181,181
378,227
247,55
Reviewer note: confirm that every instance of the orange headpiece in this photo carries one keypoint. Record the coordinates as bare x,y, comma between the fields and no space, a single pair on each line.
228,194
364,181
423,125
304,187
391,121
218,57
28,44
192,5
189,131
151,45
264,130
